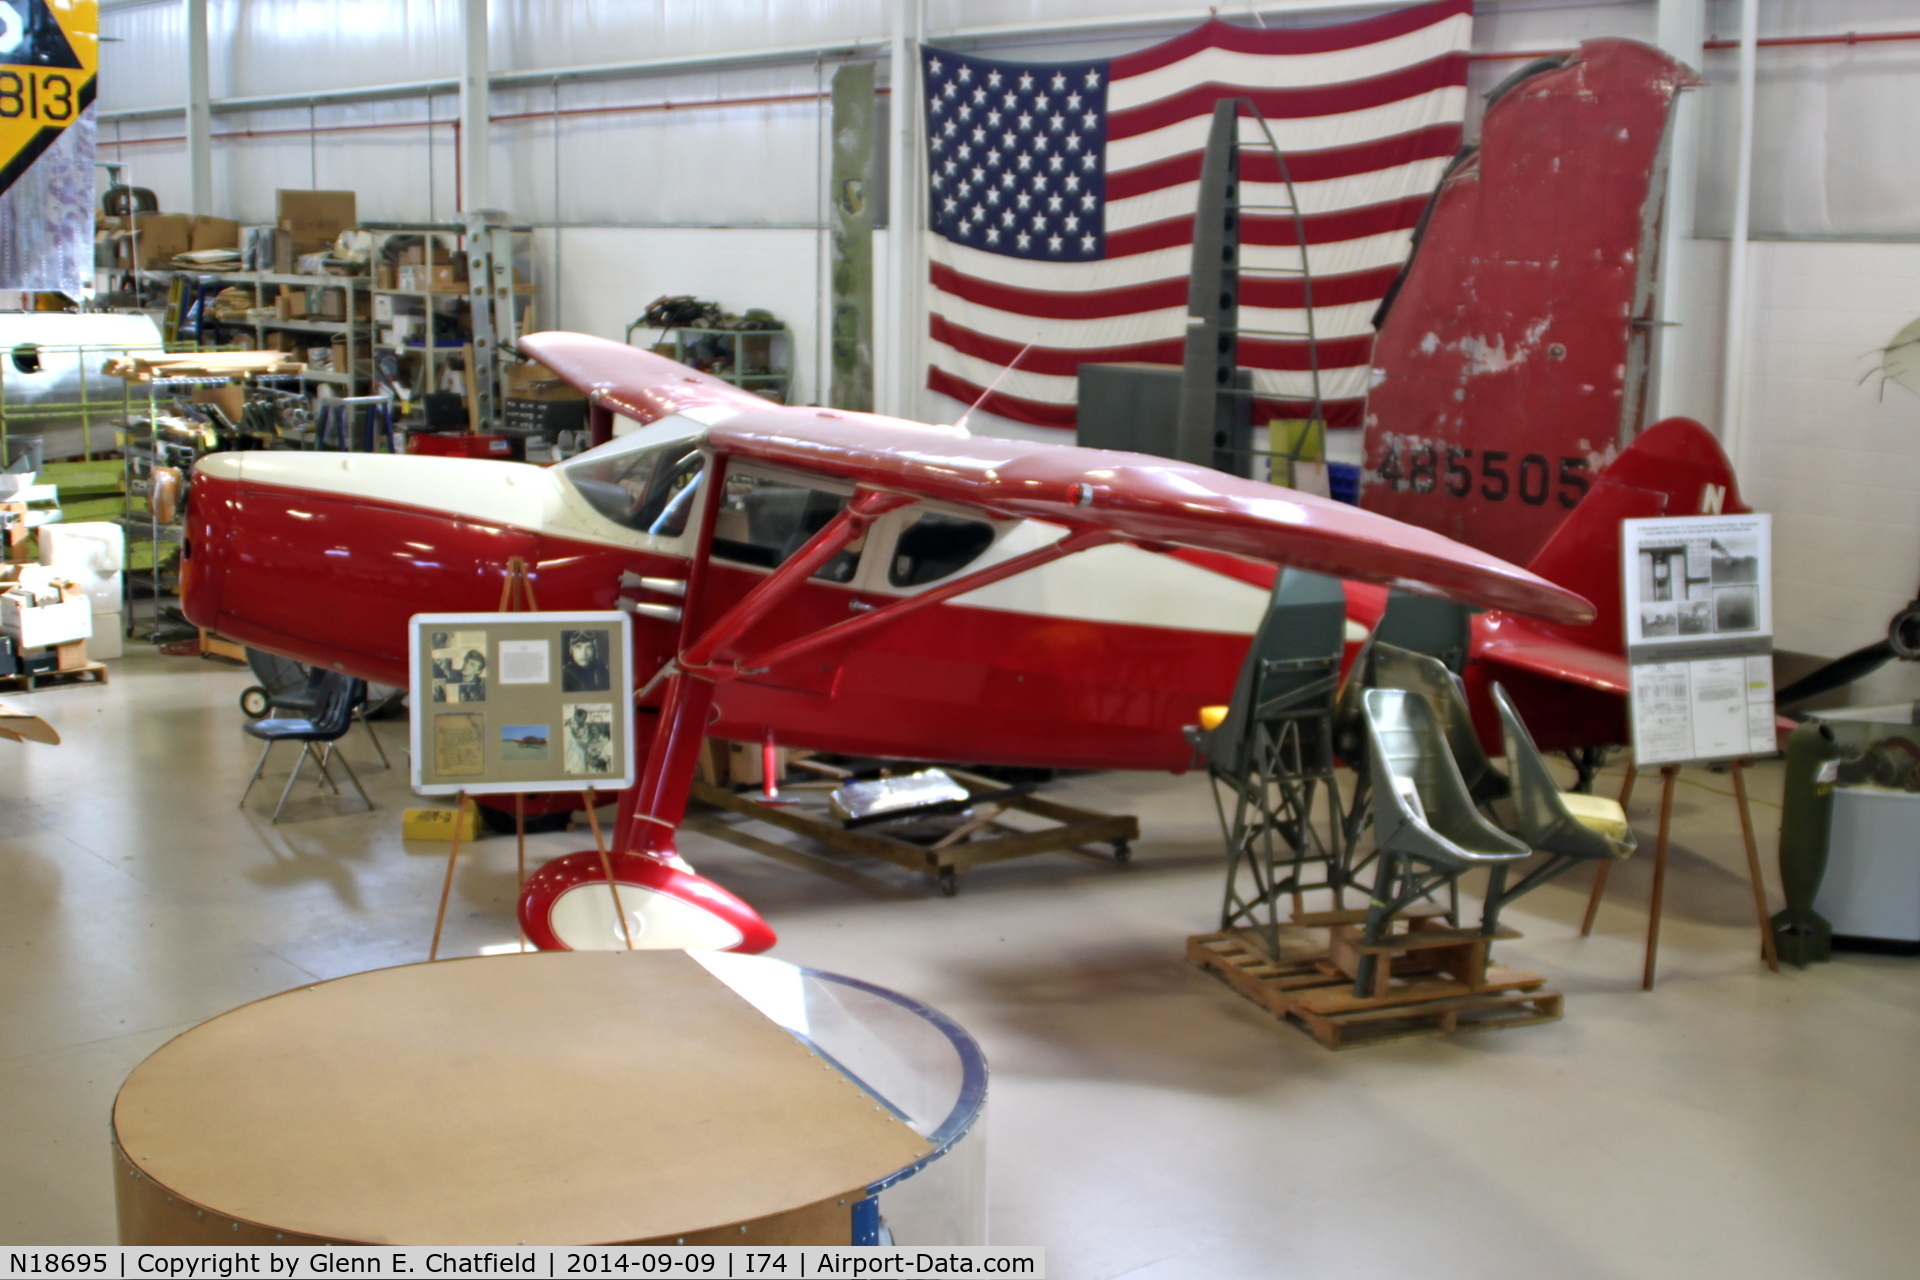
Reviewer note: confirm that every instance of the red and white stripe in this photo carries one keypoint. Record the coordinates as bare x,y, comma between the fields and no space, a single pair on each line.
1368,114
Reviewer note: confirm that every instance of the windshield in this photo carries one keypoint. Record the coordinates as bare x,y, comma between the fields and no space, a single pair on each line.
642,482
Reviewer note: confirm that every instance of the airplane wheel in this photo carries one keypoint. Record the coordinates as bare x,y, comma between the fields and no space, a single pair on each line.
949,882
1122,851
566,906
253,702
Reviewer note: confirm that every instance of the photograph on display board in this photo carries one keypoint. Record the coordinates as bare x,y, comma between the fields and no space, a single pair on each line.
524,742
1697,578
458,744
583,662
459,666
588,737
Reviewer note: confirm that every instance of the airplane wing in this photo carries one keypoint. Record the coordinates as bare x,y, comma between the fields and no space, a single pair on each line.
1155,501
1558,660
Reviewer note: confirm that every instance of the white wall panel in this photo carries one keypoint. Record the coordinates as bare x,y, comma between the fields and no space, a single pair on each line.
1830,452
1835,152
387,164
144,63
555,33
609,275
648,152
294,46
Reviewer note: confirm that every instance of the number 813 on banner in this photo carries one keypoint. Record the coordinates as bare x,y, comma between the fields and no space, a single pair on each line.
26,92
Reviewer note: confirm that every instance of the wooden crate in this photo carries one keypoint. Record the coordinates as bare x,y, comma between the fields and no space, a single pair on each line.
1306,985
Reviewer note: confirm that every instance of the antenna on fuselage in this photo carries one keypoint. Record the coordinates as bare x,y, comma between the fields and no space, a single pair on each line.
961,422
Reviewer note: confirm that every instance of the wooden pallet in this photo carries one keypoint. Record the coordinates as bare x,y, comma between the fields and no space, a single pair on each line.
971,843
91,673
1307,988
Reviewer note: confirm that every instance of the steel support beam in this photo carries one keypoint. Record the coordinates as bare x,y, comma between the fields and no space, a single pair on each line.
199,112
475,94
1733,363
901,389
1680,29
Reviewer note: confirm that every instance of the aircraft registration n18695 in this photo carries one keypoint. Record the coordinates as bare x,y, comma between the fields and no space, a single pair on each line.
847,581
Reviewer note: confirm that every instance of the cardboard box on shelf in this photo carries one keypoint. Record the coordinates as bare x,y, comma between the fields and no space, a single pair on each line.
157,237
214,233
340,362
384,276
527,380
416,255
291,304
231,399
34,626
314,219
432,279
383,308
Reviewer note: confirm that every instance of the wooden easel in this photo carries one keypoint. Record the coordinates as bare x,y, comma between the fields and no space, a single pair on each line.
1669,774
516,595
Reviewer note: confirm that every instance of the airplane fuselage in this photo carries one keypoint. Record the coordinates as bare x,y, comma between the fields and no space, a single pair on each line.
1094,661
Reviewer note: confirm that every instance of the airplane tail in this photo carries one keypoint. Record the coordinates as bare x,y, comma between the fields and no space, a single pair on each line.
1673,468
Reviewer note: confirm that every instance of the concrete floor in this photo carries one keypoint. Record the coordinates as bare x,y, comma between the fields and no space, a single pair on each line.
1145,1122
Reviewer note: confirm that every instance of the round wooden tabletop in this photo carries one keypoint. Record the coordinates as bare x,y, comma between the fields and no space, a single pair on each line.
546,1098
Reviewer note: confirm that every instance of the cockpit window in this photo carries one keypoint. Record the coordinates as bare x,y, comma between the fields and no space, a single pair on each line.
650,490
936,546
763,521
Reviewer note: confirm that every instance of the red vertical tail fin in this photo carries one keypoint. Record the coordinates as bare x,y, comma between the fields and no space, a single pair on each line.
1673,468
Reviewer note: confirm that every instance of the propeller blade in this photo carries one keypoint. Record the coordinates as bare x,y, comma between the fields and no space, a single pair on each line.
1837,674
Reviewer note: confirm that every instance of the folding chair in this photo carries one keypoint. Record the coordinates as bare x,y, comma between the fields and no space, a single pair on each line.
332,717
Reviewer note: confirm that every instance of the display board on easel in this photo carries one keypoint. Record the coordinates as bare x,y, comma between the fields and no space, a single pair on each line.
1698,598
521,702
1698,605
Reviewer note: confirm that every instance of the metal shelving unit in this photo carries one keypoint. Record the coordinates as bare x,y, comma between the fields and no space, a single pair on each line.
357,331
769,369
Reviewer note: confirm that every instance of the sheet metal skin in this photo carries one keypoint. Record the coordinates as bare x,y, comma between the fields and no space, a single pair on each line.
329,581
1149,500
1511,366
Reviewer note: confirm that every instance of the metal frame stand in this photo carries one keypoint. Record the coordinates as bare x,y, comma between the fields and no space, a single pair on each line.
1272,836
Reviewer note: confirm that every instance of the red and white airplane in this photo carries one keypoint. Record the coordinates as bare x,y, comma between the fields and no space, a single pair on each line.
847,581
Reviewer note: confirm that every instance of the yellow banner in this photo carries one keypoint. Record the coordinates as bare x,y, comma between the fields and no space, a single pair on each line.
49,50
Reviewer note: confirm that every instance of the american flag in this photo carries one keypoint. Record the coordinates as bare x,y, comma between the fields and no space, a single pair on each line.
1061,199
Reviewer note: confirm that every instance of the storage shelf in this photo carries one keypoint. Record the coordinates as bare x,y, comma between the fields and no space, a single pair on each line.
302,326
264,277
